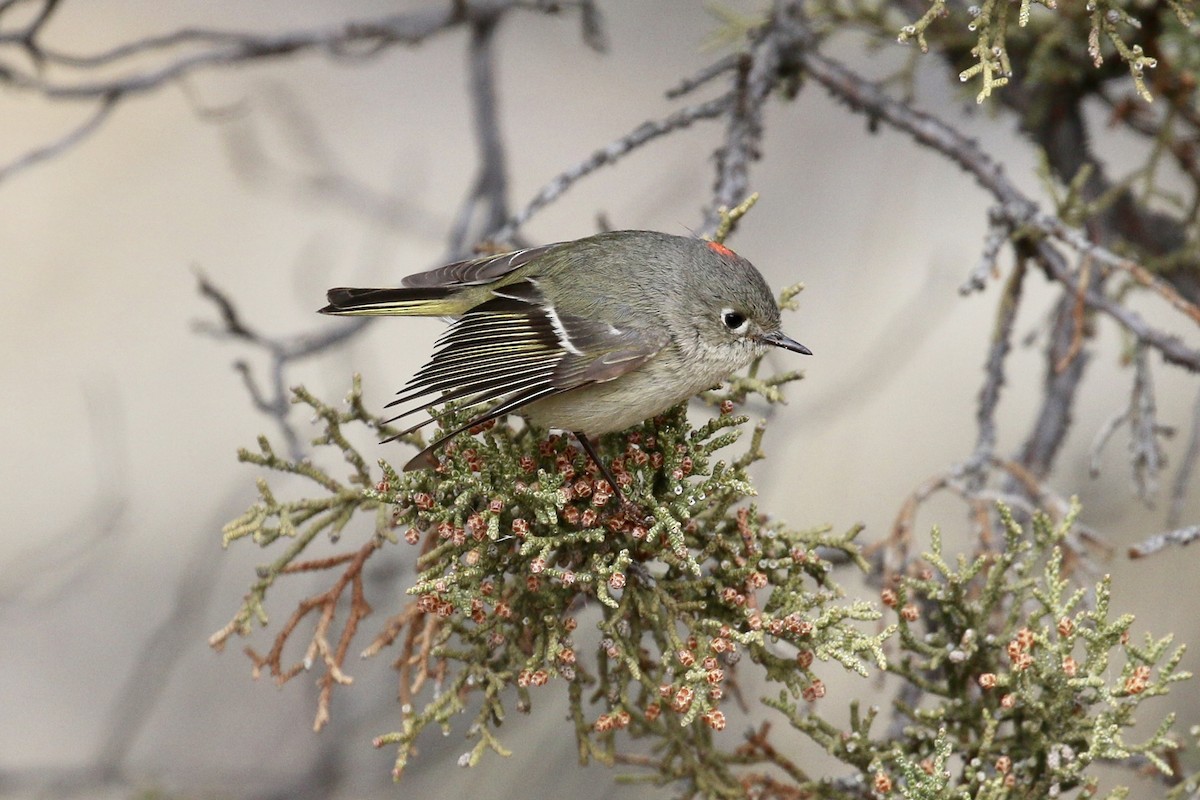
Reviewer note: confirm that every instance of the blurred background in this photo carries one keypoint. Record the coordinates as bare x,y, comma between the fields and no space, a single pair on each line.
277,179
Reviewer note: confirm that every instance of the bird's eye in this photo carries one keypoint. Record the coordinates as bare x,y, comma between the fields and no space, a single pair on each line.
734,320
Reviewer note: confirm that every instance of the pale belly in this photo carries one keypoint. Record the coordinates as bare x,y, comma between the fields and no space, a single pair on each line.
620,403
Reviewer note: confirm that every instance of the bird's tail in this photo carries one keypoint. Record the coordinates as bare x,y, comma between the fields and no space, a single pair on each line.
433,301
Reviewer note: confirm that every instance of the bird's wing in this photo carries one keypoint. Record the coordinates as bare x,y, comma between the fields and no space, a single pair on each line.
515,349
476,271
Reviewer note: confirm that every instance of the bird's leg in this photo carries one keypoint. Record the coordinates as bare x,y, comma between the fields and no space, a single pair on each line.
628,509
595,457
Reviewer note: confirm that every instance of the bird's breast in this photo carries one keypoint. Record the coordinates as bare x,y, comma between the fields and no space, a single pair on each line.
623,402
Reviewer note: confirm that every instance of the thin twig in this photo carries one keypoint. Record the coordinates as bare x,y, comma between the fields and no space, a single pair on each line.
1145,451
1100,440
1078,317
998,233
870,98
989,394
1187,465
348,39
708,73
63,143
1180,537
1171,347
486,207
644,133
758,73
282,351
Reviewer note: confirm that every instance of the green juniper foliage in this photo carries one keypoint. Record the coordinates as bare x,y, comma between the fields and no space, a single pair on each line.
1014,683
1017,682
1000,30
1060,41
519,536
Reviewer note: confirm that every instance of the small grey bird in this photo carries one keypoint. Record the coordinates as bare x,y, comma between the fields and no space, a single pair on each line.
589,336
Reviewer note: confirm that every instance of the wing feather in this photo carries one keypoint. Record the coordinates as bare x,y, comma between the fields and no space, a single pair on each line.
496,381
422,458
476,271
514,349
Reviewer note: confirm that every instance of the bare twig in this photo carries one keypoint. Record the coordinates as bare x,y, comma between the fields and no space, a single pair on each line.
1059,389
989,395
354,39
1078,318
174,56
1079,242
1180,537
1019,214
63,143
644,133
326,602
1171,347
592,25
758,73
1034,494
712,71
998,233
1100,440
1187,465
1146,453
1022,213
319,176
282,351
486,207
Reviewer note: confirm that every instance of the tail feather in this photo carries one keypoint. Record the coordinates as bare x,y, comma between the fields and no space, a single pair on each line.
417,301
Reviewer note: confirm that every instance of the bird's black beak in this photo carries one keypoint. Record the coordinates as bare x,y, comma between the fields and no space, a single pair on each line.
781,339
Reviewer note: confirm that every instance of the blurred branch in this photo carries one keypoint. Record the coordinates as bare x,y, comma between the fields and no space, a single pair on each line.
56,562
320,177
159,654
1187,465
709,73
1180,537
354,39
614,152
178,54
64,143
486,207
275,402
1016,218
1144,446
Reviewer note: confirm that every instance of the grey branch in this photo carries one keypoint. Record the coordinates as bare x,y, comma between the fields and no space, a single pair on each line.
1015,217
1021,212
756,76
314,172
1144,448
998,234
1187,466
615,151
713,70
275,402
1179,537
64,143
176,55
989,395
486,207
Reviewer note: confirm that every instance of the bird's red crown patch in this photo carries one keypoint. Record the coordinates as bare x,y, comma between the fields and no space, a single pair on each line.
721,249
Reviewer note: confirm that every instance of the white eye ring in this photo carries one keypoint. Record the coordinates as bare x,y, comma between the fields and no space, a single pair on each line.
735,321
